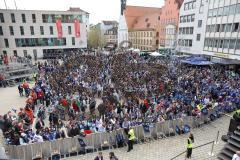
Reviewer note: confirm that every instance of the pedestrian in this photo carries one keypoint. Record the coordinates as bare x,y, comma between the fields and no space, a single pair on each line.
131,138
99,156
20,90
236,156
190,142
112,156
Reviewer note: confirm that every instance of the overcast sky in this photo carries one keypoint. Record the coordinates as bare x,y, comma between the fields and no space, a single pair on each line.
98,9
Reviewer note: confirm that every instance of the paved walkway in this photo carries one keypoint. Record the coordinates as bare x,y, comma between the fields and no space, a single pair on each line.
166,149
9,99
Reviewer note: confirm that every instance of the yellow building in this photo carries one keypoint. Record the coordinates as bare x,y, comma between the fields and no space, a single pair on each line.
143,39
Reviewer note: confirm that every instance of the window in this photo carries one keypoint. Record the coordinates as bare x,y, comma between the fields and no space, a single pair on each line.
235,27
32,30
199,23
1,31
51,30
232,9
73,41
220,11
215,43
198,37
189,18
210,13
31,42
25,53
69,30
192,18
186,6
41,30
11,30
238,9
220,45
217,28
13,18
191,30
22,30
1,18
225,11
225,43
6,43
206,42
228,27
33,18
181,19
222,27
23,18
232,43
190,43
215,12
238,44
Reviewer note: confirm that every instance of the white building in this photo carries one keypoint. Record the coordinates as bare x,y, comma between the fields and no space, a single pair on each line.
192,24
222,38
210,28
34,32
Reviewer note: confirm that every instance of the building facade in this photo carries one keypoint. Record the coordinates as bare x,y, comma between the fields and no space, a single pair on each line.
111,36
32,32
142,23
168,18
222,34
210,28
192,24
171,36
143,39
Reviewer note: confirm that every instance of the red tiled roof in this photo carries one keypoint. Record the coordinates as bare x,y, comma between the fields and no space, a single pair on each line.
133,13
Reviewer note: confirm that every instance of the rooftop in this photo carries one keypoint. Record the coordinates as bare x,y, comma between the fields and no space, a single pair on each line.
71,9
138,17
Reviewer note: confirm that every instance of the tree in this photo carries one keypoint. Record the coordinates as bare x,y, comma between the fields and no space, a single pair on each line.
96,38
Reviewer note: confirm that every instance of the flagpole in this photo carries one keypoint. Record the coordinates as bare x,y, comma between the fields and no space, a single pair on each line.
15,4
5,4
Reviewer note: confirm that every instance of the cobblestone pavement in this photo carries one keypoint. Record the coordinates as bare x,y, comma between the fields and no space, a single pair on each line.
165,149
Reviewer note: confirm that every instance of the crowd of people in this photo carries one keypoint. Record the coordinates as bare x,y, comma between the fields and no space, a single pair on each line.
83,94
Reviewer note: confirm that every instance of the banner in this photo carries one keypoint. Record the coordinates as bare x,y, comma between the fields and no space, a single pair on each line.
59,28
77,28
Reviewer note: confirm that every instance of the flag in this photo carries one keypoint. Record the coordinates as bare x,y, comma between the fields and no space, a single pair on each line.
77,28
59,28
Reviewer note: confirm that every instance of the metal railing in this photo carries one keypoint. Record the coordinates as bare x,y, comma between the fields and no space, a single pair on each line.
211,153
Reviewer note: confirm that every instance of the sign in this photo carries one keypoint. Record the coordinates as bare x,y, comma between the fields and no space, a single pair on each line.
59,27
77,28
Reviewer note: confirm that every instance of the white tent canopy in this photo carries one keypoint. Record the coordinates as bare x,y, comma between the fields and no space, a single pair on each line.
156,54
131,49
136,50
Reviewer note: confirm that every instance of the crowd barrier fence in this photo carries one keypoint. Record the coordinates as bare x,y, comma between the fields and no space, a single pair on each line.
99,141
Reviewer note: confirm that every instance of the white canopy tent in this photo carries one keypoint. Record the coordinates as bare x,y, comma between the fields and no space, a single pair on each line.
136,50
131,49
155,54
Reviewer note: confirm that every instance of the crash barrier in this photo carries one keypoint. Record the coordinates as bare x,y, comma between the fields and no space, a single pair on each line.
107,140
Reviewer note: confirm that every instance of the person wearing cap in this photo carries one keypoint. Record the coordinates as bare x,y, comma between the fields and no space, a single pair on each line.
236,156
